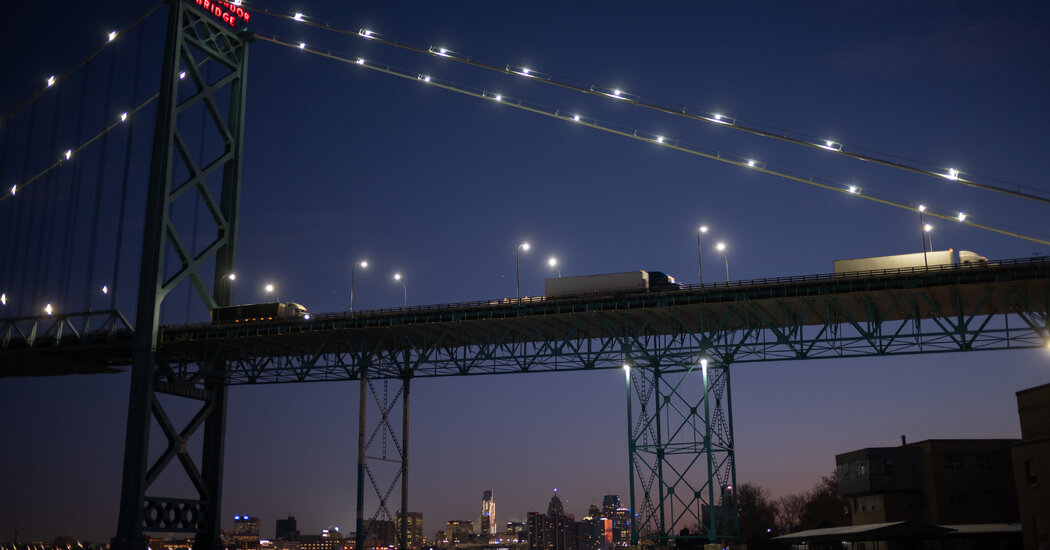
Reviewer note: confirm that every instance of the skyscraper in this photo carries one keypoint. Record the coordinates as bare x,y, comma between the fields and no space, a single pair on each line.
286,529
246,532
488,513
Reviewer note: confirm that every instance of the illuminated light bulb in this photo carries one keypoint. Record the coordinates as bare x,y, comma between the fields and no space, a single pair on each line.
922,208
105,289
397,276
498,97
360,61
751,163
718,117
302,45
659,139
617,93
14,188
182,75
927,228
69,153
425,77
123,116
306,317
830,143
50,81
48,309
962,216
298,16
237,2
232,276
3,299
366,33
953,174
112,35
853,190
525,71
576,118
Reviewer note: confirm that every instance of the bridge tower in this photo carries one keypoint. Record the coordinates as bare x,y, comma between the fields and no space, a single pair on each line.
203,75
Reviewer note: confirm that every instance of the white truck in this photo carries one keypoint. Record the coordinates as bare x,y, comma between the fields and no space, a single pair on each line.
628,281
917,259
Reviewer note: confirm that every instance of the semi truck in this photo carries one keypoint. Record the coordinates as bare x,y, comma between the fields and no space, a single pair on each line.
256,313
917,259
607,283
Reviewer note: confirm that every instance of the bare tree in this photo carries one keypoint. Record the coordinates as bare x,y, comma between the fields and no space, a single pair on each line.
790,509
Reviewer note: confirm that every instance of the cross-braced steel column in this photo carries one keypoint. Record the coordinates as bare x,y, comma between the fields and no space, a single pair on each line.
194,39
384,470
681,445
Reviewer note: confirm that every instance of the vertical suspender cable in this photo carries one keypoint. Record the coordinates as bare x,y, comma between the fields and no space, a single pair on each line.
8,239
41,204
127,169
74,198
89,280
22,204
48,221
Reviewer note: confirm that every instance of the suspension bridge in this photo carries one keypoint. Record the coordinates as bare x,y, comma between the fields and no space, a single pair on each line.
63,314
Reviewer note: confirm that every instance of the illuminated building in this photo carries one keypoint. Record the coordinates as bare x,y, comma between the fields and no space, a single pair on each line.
487,522
458,531
380,533
619,533
246,532
553,530
415,529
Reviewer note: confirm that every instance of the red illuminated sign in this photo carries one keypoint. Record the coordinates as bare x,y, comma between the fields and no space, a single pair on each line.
229,12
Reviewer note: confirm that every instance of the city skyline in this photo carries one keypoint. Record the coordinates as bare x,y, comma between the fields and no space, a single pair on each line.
443,188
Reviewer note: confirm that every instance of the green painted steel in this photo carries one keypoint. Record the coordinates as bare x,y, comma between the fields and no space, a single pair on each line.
203,57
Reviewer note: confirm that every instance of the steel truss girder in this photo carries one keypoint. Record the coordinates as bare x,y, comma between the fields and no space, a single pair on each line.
194,39
993,317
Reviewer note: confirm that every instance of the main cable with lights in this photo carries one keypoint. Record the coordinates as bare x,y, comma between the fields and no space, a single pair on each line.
654,139
805,140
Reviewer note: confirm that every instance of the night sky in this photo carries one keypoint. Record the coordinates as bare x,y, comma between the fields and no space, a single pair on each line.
344,164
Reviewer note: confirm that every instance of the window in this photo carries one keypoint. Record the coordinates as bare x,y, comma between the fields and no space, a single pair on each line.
953,461
985,461
1030,473
887,467
870,503
861,467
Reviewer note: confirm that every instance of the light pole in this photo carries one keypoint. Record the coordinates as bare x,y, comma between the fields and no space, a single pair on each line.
922,233
699,261
364,265
929,233
270,290
517,275
553,262
397,277
722,248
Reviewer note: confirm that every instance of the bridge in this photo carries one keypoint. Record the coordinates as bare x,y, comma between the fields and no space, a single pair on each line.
676,347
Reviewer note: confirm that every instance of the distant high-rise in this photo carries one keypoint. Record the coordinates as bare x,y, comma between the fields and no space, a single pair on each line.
610,503
488,513
415,529
246,532
286,529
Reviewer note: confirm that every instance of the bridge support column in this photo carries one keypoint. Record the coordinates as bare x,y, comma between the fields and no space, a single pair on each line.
680,441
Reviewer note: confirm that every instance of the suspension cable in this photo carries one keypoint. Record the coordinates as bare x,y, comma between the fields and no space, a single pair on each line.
652,138
678,110
57,79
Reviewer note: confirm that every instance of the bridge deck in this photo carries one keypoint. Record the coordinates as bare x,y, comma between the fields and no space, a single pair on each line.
861,301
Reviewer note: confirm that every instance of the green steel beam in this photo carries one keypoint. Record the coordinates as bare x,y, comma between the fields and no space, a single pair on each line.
197,47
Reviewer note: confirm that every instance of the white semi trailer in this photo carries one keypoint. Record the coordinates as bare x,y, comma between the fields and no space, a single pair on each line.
628,281
918,259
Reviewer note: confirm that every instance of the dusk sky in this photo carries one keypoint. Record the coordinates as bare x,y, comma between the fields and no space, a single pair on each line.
344,164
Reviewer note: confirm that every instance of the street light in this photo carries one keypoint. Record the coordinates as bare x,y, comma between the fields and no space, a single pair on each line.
699,261
722,248
517,275
928,229
553,262
270,290
364,265
922,233
397,277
